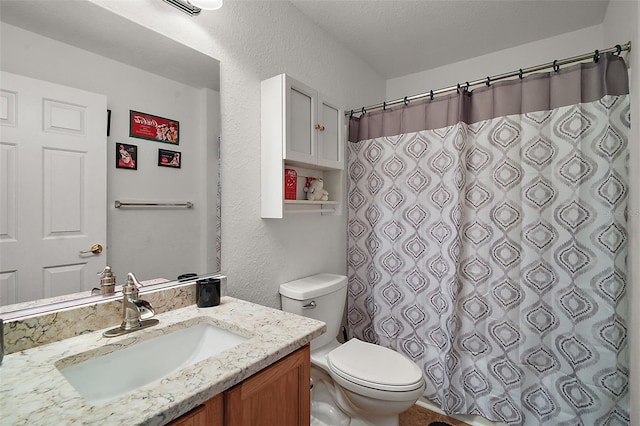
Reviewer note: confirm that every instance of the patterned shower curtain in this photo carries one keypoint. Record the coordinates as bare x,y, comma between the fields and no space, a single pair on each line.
488,241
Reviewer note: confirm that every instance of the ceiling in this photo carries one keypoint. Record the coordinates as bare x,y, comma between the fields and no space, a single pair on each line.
112,36
395,37
398,37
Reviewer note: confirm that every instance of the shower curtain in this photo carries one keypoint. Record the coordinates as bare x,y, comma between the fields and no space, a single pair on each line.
488,241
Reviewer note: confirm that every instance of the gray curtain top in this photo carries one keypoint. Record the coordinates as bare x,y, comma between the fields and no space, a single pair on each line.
580,83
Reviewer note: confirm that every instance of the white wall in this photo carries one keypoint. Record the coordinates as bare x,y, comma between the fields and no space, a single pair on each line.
151,243
526,55
261,40
621,25
255,41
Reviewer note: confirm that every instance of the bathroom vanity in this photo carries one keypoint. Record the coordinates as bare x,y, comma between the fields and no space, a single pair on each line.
263,375
277,395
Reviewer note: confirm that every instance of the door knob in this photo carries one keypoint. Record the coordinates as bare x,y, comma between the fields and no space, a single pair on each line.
95,249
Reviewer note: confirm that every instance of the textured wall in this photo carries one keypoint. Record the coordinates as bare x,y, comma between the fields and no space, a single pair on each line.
254,41
526,55
621,25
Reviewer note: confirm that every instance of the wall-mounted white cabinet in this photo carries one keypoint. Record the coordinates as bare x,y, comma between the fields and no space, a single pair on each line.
301,130
313,130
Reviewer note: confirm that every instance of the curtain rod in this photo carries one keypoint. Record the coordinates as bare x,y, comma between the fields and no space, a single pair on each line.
555,65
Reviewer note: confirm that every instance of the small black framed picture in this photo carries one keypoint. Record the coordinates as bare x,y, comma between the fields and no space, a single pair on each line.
126,156
168,158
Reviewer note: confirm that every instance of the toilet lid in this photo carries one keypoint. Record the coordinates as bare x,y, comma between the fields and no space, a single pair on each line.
374,366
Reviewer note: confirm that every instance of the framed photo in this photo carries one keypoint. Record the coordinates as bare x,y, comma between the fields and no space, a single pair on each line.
168,158
126,156
154,128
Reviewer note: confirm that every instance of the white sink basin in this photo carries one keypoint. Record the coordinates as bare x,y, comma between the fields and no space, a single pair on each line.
109,376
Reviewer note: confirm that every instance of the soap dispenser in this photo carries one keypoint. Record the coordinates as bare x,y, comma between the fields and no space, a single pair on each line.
107,281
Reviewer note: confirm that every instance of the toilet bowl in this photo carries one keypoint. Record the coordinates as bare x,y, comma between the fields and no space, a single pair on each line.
368,384
373,384
324,409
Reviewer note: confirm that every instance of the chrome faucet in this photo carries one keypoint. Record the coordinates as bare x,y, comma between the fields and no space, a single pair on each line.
135,312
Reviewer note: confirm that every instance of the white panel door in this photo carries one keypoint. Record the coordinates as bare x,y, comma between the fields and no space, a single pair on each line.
52,188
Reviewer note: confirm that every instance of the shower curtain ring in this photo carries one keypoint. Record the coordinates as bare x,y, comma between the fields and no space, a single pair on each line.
351,115
467,88
364,111
406,101
458,89
556,67
596,56
384,106
431,94
488,83
520,74
618,49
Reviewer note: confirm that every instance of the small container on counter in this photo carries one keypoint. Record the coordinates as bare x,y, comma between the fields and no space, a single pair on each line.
208,292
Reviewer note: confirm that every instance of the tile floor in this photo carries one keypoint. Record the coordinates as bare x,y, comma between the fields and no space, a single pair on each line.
419,416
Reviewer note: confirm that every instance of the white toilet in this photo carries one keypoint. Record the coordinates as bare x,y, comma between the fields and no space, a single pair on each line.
355,383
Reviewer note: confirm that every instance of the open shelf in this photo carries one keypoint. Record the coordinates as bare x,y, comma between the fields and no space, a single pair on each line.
309,203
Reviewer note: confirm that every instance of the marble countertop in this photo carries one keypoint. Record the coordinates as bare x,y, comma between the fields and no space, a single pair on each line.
34,392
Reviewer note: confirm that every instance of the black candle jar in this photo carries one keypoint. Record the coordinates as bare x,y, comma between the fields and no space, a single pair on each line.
208,292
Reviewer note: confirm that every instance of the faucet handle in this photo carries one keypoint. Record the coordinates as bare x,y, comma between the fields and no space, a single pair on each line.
133,279
131,286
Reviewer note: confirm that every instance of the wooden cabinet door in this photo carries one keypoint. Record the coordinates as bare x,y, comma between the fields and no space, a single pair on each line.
195,417
330,135
208,414
278,395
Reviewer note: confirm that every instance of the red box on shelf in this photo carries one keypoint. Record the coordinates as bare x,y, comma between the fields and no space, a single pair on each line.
290,184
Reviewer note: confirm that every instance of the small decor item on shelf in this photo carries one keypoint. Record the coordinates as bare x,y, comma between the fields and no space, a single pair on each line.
308,182
315,191
290,184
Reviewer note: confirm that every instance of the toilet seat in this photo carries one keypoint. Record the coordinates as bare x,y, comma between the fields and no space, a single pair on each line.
374,367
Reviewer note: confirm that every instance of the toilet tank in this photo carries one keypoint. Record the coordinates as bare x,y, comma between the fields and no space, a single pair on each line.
320,297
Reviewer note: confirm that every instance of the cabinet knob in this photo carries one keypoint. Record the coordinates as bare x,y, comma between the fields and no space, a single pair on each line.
319,127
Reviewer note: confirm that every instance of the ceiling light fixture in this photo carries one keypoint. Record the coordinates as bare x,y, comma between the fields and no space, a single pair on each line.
194,7
207,4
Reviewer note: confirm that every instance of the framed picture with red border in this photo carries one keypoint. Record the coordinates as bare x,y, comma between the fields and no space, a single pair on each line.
154,128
